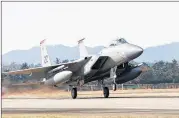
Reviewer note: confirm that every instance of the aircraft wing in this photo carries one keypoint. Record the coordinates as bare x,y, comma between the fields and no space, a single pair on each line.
41,72
28,71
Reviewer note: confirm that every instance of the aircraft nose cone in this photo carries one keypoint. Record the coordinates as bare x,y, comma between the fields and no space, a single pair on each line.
134,52
138,51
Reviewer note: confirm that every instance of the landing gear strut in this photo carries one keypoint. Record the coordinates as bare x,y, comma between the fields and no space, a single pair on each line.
114,87
105,89
74,93
113,76
105,92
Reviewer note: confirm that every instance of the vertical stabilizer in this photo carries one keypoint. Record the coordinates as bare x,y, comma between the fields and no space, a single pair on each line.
82,49
44,55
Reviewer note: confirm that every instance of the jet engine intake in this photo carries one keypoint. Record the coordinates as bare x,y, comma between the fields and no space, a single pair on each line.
127,75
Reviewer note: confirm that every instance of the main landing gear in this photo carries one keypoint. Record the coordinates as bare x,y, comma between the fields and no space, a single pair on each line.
105,90
74,93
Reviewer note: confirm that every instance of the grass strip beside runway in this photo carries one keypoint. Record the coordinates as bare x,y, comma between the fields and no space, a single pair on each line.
74,115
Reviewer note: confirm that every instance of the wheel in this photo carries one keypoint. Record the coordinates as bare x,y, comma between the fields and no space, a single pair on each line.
74,93
106,92
114,87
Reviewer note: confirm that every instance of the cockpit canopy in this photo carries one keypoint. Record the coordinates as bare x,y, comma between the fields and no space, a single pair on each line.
117,42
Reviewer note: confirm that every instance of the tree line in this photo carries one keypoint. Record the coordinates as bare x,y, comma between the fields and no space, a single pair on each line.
158,72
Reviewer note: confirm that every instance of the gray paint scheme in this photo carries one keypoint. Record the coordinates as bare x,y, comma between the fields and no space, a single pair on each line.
86,69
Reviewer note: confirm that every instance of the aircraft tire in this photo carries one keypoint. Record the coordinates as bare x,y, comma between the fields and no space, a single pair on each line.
74,93
105,92
114,87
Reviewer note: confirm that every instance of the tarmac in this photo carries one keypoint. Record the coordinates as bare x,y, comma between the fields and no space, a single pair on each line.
164,105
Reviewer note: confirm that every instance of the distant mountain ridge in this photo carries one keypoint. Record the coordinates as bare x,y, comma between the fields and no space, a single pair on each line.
33,55
166,52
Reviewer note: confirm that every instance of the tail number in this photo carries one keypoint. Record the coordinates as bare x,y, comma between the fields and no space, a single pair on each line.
46,59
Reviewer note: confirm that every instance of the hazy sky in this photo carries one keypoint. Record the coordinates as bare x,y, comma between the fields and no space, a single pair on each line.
25,24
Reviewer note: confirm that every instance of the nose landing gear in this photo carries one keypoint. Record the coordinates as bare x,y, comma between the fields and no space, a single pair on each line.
105,89
114,87
105,92
113,76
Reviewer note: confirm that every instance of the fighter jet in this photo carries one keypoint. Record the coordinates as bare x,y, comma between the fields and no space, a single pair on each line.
111,62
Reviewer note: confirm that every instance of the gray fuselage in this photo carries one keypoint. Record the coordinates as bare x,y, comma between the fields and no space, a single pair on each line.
99,65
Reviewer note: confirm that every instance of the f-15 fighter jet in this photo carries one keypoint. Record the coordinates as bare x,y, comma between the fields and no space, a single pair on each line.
111,62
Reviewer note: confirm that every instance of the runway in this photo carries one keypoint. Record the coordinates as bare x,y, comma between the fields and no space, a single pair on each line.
93,105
